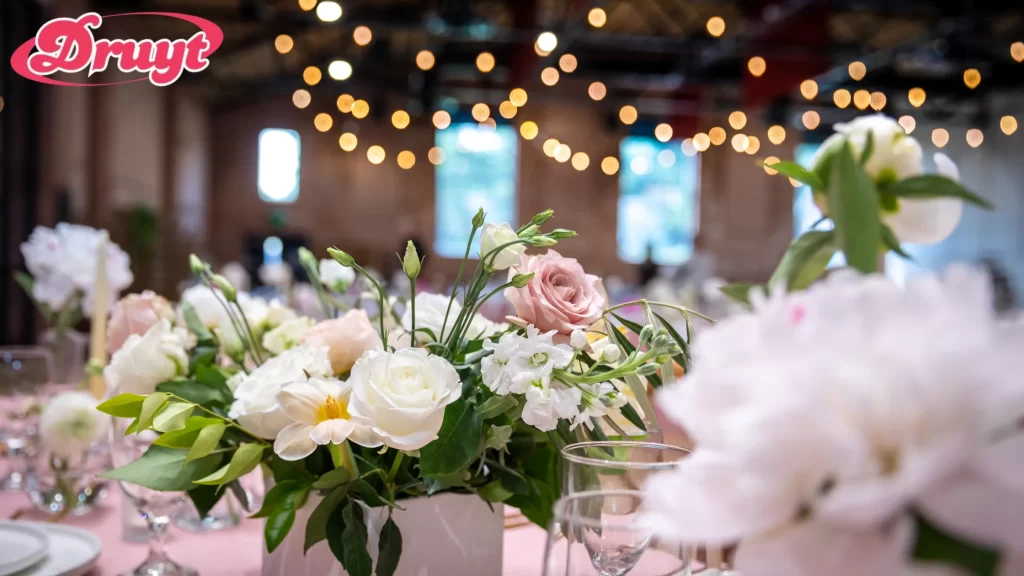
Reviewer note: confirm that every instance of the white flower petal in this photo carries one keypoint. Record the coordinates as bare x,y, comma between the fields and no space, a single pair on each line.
294,442
301,401
925,221
334,431
977,510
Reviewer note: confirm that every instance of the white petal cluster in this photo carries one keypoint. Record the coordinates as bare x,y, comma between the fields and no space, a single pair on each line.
824,417
431,310
144,361
335,276
70,424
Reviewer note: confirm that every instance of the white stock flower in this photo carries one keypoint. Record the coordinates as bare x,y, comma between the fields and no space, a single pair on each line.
70,424
536,356
256,406
491,237
547,402
402,395
335,276
319,409
287,335
598,401
494,367
144,361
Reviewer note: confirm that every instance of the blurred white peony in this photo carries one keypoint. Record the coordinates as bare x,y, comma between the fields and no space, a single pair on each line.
144,361
335,276
70,424
492,237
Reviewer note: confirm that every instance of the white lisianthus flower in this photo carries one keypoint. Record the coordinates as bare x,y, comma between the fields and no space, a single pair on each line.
335,276
256,406
547,402
319,409
70,424
491,237
209,306
144,361
536,356
480,327
287,335
494,367
430,314
402,395
230,340
278,314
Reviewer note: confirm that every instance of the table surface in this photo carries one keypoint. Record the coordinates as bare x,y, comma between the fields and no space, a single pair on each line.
523,546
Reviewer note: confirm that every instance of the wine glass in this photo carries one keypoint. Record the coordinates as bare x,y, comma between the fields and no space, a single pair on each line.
603,533
615,464
24,375
154,505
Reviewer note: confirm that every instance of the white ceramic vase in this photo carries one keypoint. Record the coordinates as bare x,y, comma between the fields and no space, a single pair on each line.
443,535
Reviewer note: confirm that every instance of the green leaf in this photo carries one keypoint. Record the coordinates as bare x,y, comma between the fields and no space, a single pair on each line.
740,292
934,186
893,243
208,389
186,437
201,356
150,406
619,338
276,496
332,479
205,498
853,202
162,468
511,479
684,357
496,406
933,544
805,260
288,470
633,326
206,441
172,416
457,441
26,282
389,548
123,406
630,414
798,173
316,526
195,325
244,460
281,518
355,559
869,147
369,494
640,394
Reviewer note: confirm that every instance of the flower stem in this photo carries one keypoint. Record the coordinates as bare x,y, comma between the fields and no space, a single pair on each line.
252,336
683,309
395,466
381,296
458,279
412,305
227,421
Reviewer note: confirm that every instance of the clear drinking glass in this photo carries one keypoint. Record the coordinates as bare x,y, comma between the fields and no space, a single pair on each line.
614,465
59,485
155,506
24,376
602,533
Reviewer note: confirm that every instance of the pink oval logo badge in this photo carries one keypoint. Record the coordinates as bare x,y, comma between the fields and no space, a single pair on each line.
68,45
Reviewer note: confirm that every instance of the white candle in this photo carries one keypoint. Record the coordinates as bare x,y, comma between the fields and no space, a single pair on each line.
101,299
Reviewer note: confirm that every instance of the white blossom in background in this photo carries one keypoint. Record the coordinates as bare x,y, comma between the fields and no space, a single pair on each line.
277,314
210,307
237,276
430,314
70,424
144,361
492,236
335,276
287,335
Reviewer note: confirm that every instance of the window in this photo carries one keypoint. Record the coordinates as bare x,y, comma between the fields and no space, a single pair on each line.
278,176
478,171
657,201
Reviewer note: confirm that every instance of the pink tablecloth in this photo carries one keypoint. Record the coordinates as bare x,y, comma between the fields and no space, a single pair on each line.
235,551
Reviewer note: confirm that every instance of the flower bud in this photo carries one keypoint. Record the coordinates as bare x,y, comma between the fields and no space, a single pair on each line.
543,217
647,369
610,354
411,261
230,294
662,358
94,367
341,257
197,265
646,334
661,342
541,241
521,280
529,231
478,220
307,259
562,233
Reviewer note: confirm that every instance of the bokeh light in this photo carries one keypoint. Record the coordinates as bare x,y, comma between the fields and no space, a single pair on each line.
857,70
360,108
549,147
716,26
345,102
567,63
436,156
908,123
811,119
862,99
753,144
740,142
940,137
916,96
481,112
610,165
1008,124
841,97
323,122
737,120
1017,51
768,162
972,77
563,153
518,97
400,119
328,11
776,134
406,159
375,154
717,135
425,60
549,76
701,141
597,17
485,62
507,110
301,98
362,35
307,5
340,70
442,119
688,148
547,41
877,100
284,43
757,66
312,75
663,132
975,137
628,114
809,89
348,141
597,91
529,130
580,161
666,158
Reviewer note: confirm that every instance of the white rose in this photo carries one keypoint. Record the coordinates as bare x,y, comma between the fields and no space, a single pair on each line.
256,406
70,424
401,396
287,335
894,154
144,361
335,276
494,236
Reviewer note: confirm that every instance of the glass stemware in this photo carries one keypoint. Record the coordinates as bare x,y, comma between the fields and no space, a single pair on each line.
614,464
602,533
155,506
24,376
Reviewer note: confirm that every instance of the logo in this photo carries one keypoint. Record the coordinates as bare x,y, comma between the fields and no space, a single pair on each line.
68,45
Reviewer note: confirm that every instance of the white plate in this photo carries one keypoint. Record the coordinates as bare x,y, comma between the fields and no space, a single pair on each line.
21,546
72,551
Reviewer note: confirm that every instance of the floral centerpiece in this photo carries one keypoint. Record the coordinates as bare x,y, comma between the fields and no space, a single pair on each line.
370,411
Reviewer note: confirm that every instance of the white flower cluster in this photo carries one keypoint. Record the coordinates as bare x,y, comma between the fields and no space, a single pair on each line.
824,419
431,310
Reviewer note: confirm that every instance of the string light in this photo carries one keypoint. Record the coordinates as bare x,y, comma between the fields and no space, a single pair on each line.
811,119
769,161
972,78
567,63
877,100
436,156
312,75
549,147
549,76
517,97
328,11
940,137
323,122
688,148
580,161
975,137
284,43
717,135
597,91
701,141
908,123
406,159
753,145
307,5
348,141
375,154
529,130
737,120
841,97
301,98
425,60
610,165
862,99
757,66
716,26
563,153
489,124
507,110
809,89
663,132
441,120
481,112
740,142
340,70
345,102
627,114
597,17
400,119
666,158
1008,124
485,62
362,35
776,134
547,41
1017,51
857,70
540,52
360,108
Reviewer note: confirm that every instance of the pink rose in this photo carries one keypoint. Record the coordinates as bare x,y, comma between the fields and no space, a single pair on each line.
346,339
560,297
136,314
